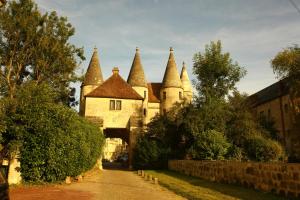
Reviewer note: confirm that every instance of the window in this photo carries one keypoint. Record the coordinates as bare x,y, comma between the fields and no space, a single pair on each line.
118,105
145,112
164,111
164,95
145,94
261,113
269,114
115,105
112,105
286,108
180,95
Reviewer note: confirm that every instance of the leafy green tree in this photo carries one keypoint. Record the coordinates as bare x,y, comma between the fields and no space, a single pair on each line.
216,73
49,149
150,153
35,46
287,64
241,123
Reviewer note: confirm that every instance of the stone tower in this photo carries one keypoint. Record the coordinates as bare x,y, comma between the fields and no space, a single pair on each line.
171,91
186,84
137,80
93,78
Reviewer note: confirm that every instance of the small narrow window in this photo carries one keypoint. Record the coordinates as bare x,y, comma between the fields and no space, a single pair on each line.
118,105
164,111
269,114
112,105
145,94
286,108
164,95
145,112
261,113
180,95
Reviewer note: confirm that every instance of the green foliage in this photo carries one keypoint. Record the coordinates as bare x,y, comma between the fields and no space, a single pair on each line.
215,71
54,142
268,127
241,124
150,154
35,46
210,145
259,148
287,64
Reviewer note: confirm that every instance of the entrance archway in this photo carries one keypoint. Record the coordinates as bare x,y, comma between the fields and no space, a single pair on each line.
118,142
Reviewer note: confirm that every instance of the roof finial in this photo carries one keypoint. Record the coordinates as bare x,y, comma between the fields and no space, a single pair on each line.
137,49
171,49
115,70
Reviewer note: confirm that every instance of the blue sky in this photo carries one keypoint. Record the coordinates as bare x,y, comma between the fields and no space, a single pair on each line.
252,31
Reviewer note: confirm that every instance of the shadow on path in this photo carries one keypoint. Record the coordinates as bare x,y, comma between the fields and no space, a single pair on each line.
4,194
115,166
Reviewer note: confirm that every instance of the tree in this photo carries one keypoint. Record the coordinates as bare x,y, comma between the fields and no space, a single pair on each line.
216,73
286,64
35,46
49,149
216,77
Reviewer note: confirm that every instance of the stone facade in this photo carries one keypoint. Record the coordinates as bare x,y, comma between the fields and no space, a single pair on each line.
122,108
279,178
274,103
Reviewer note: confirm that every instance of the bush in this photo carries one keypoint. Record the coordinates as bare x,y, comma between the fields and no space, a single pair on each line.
149,154
259,148
54,141
209,145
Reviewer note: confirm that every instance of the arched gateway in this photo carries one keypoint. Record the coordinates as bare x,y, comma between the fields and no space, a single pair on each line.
122,109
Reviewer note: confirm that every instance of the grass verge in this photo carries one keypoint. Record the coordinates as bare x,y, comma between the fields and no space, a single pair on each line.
196,188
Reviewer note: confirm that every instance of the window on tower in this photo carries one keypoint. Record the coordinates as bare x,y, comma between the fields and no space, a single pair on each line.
164,95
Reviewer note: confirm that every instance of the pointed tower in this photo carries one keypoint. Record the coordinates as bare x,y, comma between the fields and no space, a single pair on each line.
186,84
171,91
137,80
92,79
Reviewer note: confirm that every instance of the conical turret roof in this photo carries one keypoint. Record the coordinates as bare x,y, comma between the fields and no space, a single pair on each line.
136,75
93,74
186,83
171,77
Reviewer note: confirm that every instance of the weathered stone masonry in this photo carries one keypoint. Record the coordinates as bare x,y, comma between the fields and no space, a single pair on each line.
279,178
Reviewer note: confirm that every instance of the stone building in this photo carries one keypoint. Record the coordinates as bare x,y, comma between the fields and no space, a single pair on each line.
123,108
274,103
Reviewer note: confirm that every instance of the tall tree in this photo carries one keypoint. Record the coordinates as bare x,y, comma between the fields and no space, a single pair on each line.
216,73
287,64
35,46
216,76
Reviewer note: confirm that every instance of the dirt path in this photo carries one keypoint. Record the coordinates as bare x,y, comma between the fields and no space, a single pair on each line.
104,185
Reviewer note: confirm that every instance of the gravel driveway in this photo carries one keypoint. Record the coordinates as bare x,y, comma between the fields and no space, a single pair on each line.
113,184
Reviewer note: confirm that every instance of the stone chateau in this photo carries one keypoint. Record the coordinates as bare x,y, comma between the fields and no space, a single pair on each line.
123,108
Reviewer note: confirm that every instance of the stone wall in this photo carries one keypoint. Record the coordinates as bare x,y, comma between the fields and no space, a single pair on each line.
279,178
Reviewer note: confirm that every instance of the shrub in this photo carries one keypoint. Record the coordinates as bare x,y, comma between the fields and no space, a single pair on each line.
209,145
54,141
149,154
259,148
